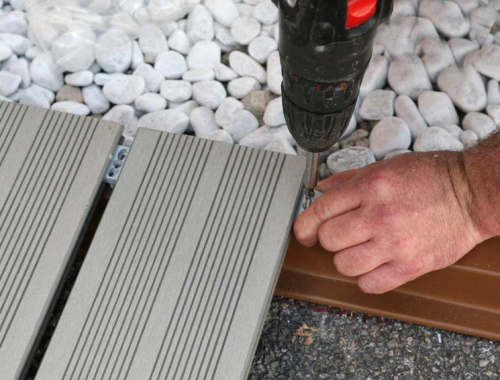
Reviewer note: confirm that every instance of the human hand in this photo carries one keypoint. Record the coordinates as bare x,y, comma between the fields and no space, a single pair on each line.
395,220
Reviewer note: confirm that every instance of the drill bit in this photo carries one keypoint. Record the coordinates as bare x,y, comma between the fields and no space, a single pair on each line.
311,177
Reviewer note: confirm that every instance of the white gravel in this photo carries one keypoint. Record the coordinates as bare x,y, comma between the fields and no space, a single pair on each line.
213,69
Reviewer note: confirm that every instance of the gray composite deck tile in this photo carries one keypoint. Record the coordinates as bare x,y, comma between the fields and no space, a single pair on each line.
51,167
179,277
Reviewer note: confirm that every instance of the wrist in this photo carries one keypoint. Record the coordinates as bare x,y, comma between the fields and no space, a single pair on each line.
480,170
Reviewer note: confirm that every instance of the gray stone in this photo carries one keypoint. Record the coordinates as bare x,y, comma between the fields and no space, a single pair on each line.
21,67
493,92
469,138
209,93
101,79
378,105
150,103
436,55
71,107
260,48
224,12
75,50
198,75
19,45
5,52
407,110
137,56
446,16
33,96
152,41
493,111
375,76
125,116
396,153
200,24
408,76
244,29
13,22
226,111
460,47
45,73
464,86
172,121
203,121
246,66
480,123
95,99
114,51
241,124
223,36
351,127
204,55
262,136
274,75
437,108
274,115
389,134
179,41
9,83
352,138
80,78
453,130
266,12
487,61
256,102
434,139
349,158
69,93
176,90
281,146
171,65
123,89
240,87
220,135
223,73
152,78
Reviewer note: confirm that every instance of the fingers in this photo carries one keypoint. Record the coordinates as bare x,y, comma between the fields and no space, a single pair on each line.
336,179
390,276
360,259
339,200
344,231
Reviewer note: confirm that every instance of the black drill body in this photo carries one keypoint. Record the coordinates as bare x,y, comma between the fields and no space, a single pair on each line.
323,61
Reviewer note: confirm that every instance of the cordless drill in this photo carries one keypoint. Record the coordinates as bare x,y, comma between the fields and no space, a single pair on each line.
325,47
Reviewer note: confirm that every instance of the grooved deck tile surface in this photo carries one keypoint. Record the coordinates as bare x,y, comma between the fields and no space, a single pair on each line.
51,167
178,280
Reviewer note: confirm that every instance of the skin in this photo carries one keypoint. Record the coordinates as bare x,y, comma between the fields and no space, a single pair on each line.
395,220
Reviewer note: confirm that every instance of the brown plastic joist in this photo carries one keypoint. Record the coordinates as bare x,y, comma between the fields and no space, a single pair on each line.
464,297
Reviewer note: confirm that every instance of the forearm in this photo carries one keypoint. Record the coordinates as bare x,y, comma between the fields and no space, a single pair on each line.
480,167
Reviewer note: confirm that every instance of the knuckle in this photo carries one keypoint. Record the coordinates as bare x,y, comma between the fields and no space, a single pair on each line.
380,182
411,268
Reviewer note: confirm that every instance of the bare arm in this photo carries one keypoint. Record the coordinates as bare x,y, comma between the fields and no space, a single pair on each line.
395,220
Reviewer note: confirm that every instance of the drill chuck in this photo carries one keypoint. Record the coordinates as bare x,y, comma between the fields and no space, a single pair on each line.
325,47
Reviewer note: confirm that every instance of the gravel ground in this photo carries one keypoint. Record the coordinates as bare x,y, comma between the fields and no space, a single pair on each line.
350,345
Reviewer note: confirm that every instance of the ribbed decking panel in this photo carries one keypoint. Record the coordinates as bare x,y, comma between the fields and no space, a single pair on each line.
51,167
179,277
